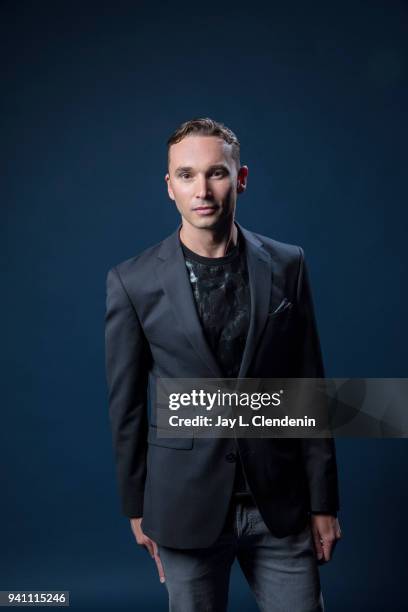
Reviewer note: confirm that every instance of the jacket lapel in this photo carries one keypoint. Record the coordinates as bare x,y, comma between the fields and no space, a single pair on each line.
259,273
174,279
173,275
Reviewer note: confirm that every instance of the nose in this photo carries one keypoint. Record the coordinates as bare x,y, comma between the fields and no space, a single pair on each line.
201,187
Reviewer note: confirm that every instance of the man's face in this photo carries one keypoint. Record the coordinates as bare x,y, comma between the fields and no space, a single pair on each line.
203,180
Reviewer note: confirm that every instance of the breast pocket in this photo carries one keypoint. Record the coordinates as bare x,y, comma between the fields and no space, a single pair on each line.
280,325
154,439
283,308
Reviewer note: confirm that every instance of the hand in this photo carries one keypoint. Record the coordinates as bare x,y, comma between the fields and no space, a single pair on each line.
149,544
326,531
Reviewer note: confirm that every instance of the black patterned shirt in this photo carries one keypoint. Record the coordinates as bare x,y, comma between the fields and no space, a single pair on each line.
221,292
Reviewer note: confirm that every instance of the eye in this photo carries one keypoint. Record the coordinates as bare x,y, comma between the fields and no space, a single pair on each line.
185,174
219,172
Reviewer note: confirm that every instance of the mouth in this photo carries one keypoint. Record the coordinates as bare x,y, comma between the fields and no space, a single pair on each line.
205,210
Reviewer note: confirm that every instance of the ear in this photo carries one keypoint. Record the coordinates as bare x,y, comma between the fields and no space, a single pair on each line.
242,179
169,190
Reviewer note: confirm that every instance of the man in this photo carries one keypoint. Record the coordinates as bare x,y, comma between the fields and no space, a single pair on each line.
216,300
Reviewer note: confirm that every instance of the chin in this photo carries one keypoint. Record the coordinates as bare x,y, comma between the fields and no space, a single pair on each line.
204,223
209,225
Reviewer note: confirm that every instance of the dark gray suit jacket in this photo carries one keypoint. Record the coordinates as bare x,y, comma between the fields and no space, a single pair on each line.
182,486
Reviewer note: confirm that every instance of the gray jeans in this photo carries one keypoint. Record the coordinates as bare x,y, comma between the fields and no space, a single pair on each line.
281,572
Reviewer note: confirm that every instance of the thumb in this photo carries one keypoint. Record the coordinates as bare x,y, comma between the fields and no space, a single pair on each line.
158,562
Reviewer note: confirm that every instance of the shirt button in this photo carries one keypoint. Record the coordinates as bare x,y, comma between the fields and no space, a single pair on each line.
231,457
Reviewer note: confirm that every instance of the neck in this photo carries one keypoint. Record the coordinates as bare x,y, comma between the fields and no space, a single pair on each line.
211,242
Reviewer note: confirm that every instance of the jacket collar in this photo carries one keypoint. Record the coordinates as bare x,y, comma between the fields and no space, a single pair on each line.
174,278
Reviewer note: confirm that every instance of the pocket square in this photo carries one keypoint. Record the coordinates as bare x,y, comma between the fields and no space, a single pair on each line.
284,305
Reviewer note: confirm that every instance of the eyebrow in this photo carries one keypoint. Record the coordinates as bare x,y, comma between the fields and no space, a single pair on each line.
181,169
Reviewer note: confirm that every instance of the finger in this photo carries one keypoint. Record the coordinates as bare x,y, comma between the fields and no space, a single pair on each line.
158,563
334,544
317,544
338,533
327,546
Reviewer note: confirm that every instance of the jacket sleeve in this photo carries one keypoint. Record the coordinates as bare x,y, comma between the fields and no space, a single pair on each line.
127,360
319,454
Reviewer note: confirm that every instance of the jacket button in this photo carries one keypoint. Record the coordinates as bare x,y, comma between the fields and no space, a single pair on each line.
231,457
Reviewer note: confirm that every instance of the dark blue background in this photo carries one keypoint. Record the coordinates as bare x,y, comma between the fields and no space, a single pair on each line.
317,94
